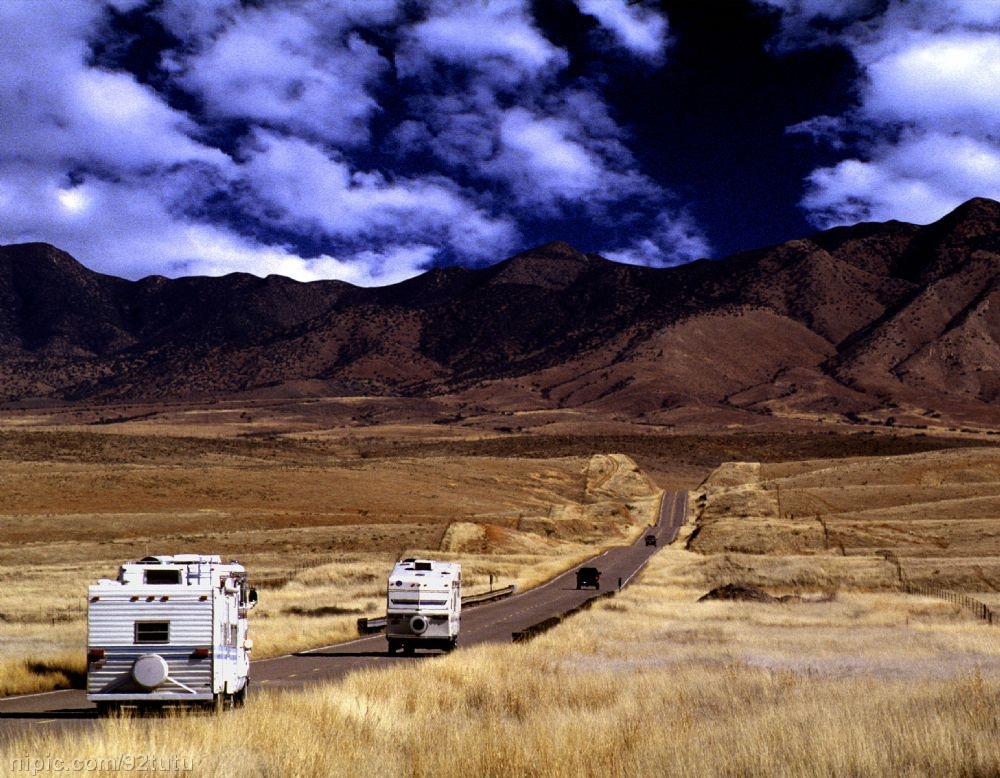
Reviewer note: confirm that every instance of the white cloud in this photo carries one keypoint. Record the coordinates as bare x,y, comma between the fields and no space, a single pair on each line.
214,253
118,227
112,119
380,268
74,199
130,174
939,81
930,105
281,67
100,165
824,129
198,21
494,39
566,158
541,160
302,184
984,13
917,180
673,240
56,107
941,14
641,31
536,144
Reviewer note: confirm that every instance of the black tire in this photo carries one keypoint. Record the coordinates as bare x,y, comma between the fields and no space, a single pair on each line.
240,698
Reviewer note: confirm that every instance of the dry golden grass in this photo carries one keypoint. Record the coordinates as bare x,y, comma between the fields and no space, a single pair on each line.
938,512
854,677
647,683
43,633
317,526
34,664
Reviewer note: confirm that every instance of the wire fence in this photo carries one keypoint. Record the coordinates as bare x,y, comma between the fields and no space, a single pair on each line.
969,604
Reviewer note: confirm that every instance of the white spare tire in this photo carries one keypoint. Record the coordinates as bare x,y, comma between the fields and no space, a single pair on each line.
150,670
418,624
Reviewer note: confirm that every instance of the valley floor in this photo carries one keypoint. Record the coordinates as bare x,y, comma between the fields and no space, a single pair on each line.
843,670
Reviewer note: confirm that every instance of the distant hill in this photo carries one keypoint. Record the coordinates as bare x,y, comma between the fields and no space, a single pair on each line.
892,319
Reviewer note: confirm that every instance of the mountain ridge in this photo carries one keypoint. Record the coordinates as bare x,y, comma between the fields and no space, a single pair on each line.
873,317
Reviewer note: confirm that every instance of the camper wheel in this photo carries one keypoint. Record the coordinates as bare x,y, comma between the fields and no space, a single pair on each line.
240,698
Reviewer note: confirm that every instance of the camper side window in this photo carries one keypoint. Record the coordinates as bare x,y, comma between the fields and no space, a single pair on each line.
152,632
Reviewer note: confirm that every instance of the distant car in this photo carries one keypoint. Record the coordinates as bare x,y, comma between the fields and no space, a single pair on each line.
588,576
650,540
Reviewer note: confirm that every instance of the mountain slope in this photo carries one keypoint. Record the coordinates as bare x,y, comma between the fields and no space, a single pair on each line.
855,319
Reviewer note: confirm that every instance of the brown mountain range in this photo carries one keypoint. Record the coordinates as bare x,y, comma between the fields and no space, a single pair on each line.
891,322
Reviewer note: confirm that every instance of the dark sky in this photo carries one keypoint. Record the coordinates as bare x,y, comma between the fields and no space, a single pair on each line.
710,123
372,140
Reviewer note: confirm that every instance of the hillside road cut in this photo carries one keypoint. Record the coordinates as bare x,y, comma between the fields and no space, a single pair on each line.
493,622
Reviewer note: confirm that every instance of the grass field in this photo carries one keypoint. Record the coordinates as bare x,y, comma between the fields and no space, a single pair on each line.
848,675
647,683
317,530
936,513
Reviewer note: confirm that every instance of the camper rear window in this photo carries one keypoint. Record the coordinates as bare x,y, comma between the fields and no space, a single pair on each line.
152,632
160,576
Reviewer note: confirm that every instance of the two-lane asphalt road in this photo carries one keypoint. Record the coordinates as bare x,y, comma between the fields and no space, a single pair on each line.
490,622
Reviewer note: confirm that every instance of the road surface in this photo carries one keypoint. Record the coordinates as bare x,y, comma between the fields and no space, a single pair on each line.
493,622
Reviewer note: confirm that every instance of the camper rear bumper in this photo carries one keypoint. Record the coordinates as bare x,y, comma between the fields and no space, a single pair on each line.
161,674
178,697
421,630
420,626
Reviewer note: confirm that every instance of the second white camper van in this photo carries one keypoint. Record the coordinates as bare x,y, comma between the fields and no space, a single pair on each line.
423,605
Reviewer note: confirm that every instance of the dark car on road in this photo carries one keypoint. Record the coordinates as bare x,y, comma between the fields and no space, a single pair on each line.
588,576
650,540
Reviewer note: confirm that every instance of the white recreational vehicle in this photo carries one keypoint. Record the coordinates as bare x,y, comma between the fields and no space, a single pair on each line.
169,629
423,605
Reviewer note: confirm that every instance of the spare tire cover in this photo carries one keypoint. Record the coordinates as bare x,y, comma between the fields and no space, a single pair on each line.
419,624
150,670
